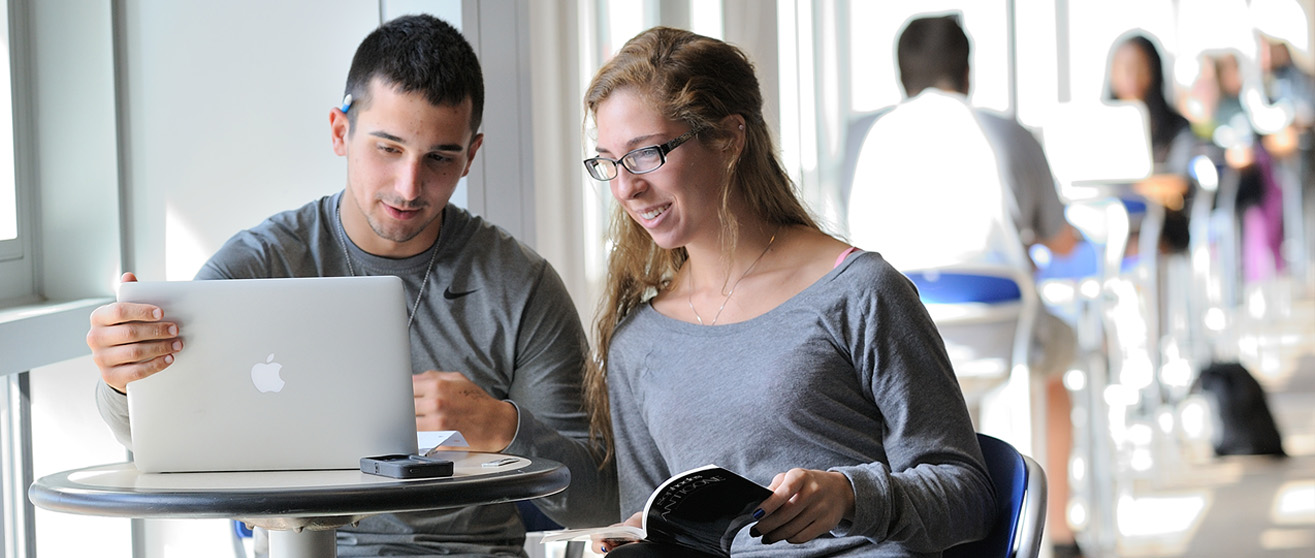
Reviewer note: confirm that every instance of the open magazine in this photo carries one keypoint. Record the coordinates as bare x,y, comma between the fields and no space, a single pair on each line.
701,509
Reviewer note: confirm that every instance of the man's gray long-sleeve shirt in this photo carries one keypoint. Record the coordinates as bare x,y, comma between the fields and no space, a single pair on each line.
494,311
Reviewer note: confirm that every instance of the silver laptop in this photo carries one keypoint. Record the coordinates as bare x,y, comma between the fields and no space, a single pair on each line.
276,374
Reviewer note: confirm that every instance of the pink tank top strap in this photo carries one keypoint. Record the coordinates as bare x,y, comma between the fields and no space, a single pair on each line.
844,255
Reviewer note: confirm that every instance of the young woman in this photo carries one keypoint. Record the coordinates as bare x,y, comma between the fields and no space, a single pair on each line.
734,332
1136,73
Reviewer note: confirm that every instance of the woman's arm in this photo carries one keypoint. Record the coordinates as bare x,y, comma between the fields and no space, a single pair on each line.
934,491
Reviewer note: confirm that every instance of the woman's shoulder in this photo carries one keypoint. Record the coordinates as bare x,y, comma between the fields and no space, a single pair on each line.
866,280
868,268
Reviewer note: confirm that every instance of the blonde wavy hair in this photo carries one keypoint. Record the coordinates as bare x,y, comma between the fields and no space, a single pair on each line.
699,81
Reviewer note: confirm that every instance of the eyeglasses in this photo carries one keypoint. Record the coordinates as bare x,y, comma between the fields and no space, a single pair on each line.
640,161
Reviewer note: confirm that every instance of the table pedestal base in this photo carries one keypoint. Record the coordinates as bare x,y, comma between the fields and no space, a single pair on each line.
306,543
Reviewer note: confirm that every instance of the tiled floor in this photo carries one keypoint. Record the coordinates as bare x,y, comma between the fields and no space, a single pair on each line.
1168,495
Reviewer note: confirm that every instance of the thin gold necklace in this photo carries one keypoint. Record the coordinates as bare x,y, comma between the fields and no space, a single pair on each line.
715,317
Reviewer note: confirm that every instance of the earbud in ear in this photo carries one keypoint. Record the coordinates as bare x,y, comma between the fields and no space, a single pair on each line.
347,102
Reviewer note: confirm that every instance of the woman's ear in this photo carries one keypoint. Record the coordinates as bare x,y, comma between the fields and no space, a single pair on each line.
733,125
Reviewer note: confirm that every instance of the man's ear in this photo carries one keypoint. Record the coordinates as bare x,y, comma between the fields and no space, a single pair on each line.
475,144
339,128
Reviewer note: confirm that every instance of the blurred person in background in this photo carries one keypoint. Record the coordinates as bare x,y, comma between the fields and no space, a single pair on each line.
1286,83
1291,89
933,58
1136,73
1214,104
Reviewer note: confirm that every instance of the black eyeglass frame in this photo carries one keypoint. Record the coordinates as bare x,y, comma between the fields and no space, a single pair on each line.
662,150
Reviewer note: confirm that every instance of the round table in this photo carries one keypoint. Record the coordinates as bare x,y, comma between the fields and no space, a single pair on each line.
301,509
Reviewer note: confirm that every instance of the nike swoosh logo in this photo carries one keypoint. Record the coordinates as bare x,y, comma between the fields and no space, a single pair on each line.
448,294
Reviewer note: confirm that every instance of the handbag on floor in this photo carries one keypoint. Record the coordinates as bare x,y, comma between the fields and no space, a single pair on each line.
1243,422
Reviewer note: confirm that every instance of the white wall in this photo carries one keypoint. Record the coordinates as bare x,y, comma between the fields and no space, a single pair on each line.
226,113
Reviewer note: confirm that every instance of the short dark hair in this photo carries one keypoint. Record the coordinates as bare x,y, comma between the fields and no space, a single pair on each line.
419,53
932,50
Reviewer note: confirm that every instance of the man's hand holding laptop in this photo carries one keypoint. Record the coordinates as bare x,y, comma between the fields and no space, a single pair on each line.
131,341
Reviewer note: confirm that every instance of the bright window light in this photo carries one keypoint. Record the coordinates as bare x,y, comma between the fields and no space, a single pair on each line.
184,253
1077,514
1282,19
1295,503
625,19
1140,434
1075,380
1171,517
1194,417
706,18
1279,539
1078,468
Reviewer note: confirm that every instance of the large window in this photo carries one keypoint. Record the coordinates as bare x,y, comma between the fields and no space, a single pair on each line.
8,194
15,266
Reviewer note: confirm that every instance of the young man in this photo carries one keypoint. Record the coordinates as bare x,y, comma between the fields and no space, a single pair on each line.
496,343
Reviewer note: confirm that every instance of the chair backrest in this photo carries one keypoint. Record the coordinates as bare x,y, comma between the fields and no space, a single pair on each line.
1020,488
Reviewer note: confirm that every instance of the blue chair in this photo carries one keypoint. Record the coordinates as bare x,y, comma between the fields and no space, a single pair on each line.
1020,488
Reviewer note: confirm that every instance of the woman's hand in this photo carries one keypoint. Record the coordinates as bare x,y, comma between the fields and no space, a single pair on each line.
804,505
1165,189
606,544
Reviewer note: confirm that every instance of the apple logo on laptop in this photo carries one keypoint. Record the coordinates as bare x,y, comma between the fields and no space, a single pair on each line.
265,375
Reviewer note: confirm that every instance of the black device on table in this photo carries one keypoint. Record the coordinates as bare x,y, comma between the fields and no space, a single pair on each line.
403,466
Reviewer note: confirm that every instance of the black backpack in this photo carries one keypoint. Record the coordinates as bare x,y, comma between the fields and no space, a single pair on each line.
1243,423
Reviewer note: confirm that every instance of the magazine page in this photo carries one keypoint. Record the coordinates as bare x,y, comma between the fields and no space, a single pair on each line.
702,509
610,532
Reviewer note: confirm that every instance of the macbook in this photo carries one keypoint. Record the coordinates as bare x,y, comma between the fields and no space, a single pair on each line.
276,374
1098,143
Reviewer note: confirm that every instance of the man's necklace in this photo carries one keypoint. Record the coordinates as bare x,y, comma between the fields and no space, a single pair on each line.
433,256
690,298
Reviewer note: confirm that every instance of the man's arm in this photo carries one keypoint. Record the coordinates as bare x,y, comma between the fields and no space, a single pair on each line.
113,407
1038,213
1063,242
546,388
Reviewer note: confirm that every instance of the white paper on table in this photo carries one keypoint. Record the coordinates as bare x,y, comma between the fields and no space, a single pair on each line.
429,440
